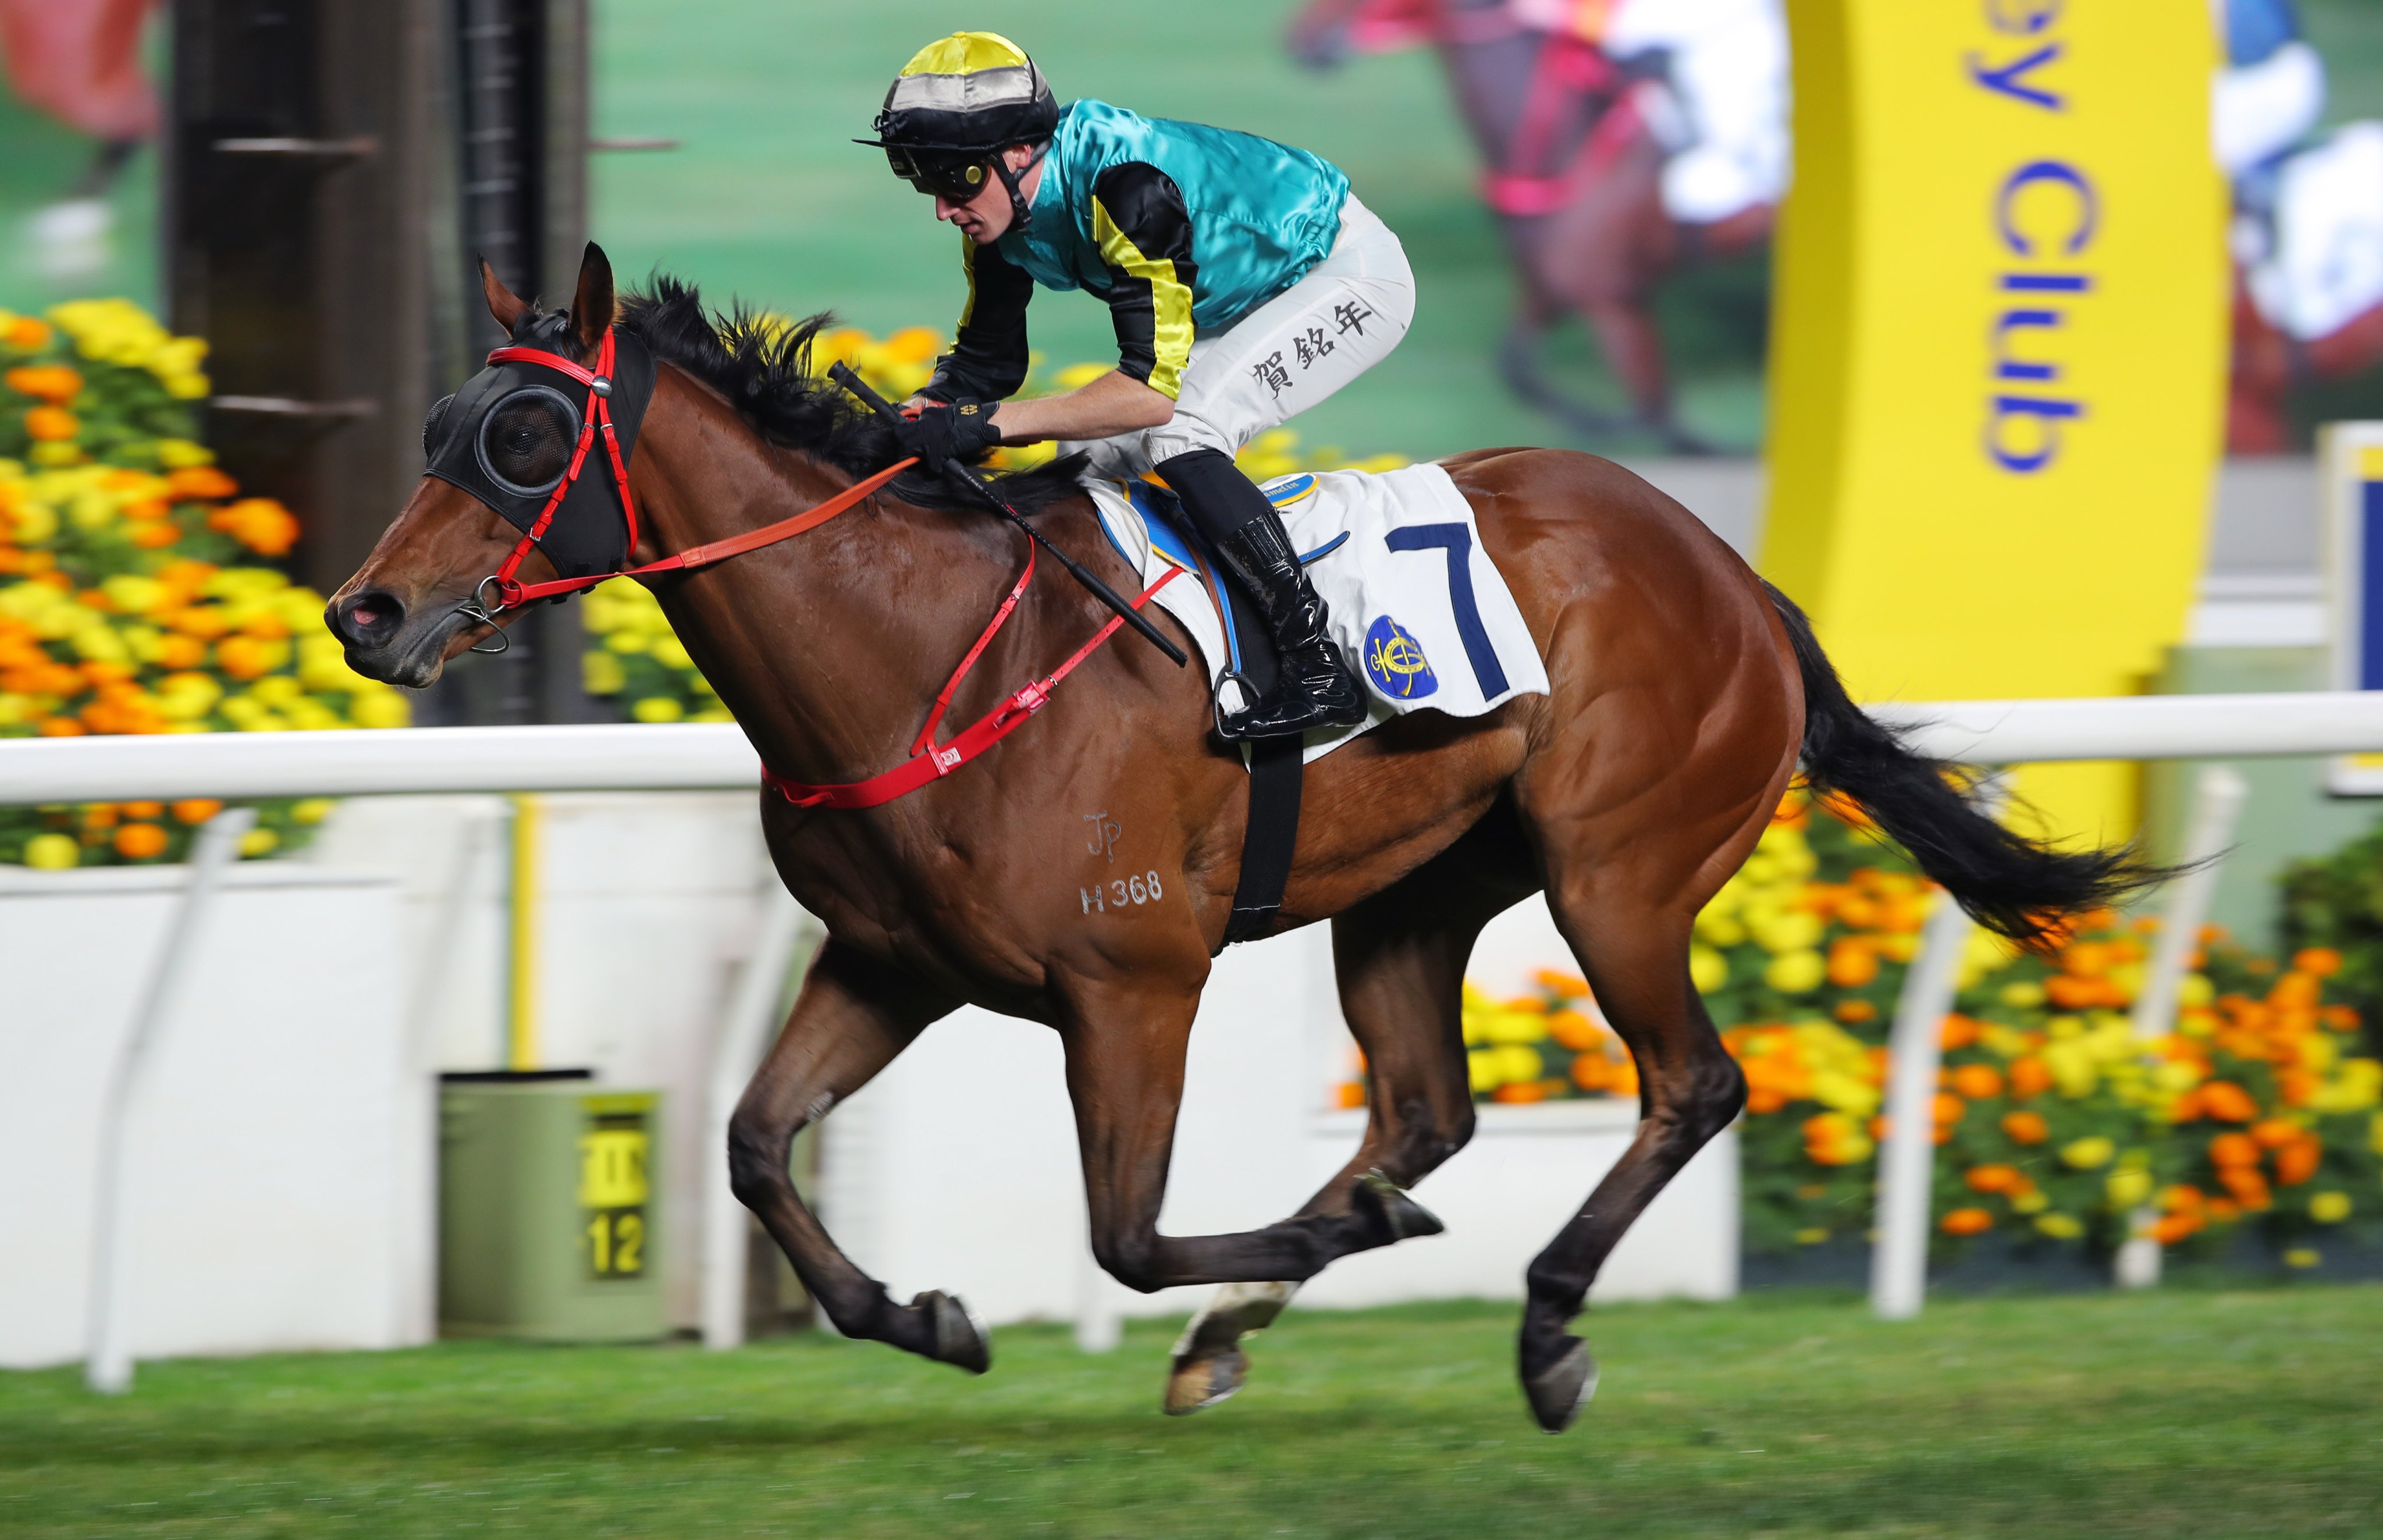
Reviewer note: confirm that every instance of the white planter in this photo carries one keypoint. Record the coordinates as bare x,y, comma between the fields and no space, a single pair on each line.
280,1161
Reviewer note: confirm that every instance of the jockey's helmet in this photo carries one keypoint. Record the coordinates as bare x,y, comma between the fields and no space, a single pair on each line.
959,103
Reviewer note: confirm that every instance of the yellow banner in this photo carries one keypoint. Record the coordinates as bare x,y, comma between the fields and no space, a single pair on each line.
1999,352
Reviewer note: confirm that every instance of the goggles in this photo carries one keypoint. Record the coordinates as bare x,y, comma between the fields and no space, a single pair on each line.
956,176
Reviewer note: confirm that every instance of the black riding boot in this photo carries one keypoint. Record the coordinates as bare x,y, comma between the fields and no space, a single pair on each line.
1313,687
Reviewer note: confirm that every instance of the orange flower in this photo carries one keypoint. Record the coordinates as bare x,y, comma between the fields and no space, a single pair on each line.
2249,1187
1966,1222
54,382
1519,1090
181,652
1959,1031
1853,1013
144,809
2274,1133
62,727
2028,1077
26,333
1621,1077
196,809
2228,1152
1851,963
2299,1086
1977,1082
1349,1093
1759,1099
1950,1108
1571,1029
2321,961
198,482
1992,1178
2026,1127
140,842
1592,1072
2298,1160
2339,1019
2222,1100
2174,1228
51,423
244,656
260,524
2187,1106
154,535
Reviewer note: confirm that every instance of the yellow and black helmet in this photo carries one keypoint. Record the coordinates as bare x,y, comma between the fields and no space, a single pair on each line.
968,92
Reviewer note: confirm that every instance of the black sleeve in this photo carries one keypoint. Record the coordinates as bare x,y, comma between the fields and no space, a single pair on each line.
1145,234
988,362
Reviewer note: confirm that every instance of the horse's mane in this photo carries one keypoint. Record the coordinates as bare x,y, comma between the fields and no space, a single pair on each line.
762,365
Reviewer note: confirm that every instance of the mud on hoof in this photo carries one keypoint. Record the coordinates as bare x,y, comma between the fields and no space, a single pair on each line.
959,1338
1557,1392
1392,1209
1208,1365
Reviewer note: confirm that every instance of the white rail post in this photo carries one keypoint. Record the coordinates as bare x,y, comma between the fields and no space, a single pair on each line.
752,1013
2219,795
107,1367
1898,1261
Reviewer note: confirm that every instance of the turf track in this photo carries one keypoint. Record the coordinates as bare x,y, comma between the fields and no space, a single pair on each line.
2180,1412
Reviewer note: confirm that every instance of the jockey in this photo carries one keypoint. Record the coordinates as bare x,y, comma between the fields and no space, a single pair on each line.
1246,284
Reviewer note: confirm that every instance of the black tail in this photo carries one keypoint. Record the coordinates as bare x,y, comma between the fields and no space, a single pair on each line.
2011,885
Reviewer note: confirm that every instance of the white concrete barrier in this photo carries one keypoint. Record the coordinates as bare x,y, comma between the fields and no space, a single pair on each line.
280,1161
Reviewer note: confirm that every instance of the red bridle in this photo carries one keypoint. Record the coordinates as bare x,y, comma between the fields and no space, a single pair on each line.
927,762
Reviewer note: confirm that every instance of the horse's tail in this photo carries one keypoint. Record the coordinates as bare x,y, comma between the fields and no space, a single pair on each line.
2014,886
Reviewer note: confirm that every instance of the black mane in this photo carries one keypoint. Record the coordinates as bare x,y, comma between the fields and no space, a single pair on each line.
765,370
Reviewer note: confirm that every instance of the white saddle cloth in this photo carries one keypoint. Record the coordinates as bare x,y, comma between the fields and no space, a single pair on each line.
1418,610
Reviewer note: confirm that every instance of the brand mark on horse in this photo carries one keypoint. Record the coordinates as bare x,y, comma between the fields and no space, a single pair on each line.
1105,831
1394,661
1121,893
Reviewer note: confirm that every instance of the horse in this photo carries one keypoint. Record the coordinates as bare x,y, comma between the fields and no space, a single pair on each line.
1684,692
1576,179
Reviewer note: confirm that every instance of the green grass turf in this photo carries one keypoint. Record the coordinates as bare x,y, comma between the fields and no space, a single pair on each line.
2180,1412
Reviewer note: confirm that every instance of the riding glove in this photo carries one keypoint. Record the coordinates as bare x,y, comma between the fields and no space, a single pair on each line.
936,433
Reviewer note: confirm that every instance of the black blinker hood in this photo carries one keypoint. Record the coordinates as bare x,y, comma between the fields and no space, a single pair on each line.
590,532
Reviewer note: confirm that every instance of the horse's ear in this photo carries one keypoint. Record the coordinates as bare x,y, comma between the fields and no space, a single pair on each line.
503,304
592,310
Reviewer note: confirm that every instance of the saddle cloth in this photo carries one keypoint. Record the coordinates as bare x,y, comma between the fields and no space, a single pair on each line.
1418,610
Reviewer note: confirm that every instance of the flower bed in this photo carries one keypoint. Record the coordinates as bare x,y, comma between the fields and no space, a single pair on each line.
2057,1124
635,661
135,593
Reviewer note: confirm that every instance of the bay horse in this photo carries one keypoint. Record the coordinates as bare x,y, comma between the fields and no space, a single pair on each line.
1682,693
1574,175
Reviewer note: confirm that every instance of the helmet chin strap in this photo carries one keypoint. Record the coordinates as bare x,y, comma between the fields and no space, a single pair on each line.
1020,211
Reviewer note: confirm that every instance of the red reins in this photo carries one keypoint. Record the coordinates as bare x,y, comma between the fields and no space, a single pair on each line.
926,763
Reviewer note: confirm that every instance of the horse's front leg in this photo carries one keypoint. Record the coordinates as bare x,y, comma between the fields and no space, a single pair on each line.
1124,1036
852,1017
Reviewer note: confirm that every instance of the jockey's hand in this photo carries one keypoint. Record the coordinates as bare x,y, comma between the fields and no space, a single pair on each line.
936,433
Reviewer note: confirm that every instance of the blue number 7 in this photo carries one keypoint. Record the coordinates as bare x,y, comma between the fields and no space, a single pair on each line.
1457,541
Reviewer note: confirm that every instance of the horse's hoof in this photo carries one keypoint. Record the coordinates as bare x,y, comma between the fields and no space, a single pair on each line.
960,1338
1207,1362
1557,1392
1401,1215
1203,1381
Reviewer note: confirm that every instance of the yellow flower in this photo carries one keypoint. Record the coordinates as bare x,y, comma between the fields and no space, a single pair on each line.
657,709
1708,970
1812,1236
1795,972
2087,1153
600,673
1515,1061
2304,1256
1481,1069
2030,1202
380,707
2059,1227
313,810
258,842
2330,1208
181,454
2023,995
52,852
2128,1190
671,653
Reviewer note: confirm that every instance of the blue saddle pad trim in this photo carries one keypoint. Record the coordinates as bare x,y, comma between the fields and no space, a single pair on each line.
1170,535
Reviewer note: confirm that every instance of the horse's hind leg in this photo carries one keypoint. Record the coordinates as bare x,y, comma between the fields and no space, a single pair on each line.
1400,957
852,1017
1636,960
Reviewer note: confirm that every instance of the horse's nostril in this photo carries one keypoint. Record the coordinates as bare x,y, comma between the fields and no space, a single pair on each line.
367,620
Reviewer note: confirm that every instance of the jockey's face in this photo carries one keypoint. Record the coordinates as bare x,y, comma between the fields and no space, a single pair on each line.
987,216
